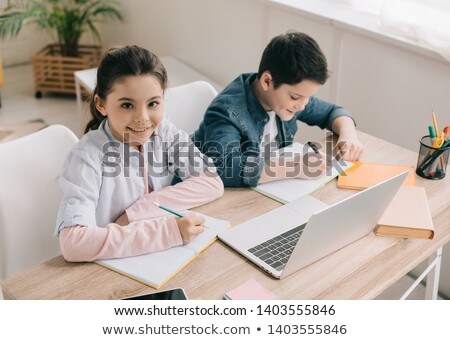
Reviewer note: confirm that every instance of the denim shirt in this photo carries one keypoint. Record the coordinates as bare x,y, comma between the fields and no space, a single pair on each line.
233,126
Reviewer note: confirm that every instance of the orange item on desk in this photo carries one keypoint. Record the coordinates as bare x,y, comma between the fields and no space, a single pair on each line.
364,175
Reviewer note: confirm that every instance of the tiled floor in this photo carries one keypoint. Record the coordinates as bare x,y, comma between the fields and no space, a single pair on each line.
20,105
400,287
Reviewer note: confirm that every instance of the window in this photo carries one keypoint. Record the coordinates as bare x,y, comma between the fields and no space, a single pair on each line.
423,21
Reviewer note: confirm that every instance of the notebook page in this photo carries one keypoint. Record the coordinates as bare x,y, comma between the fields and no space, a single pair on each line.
152,269
157,268
215,226
289,190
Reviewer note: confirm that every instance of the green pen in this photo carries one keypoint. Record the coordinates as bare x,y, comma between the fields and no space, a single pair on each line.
432,133
173,212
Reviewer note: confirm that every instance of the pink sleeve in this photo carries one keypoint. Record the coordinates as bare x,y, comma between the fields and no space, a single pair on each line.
80,243
192,192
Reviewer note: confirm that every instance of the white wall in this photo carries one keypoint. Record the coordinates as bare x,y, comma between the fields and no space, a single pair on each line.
198,32
392,88
19,50
30,41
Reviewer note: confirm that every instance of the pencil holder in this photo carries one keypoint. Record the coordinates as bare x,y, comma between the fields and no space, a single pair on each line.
432,162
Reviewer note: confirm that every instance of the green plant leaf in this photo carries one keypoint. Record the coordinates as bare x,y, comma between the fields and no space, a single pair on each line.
64,20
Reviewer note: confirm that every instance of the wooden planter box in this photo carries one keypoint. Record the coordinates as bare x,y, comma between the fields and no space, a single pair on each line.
54,73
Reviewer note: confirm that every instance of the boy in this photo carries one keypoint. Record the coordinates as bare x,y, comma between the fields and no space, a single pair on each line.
260,110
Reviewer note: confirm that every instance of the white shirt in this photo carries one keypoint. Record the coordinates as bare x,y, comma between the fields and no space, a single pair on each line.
270,132
102,177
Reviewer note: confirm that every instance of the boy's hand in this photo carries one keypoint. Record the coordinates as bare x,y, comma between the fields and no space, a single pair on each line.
350,148
190,226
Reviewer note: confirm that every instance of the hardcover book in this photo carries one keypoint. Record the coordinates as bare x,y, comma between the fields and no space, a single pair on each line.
408,215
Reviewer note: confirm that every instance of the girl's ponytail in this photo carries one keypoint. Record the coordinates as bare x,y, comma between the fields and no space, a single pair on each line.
97,117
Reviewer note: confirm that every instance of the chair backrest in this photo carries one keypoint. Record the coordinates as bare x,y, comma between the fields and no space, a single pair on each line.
29,197
186,104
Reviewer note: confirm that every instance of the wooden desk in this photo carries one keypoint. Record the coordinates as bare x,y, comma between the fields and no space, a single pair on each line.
361,270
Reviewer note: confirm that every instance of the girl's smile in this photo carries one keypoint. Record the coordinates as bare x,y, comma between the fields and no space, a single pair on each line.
139,131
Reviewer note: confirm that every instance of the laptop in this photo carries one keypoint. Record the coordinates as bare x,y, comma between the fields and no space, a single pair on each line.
303,231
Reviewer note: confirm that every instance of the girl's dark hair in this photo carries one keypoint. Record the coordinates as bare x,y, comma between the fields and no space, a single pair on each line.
293,57
118,63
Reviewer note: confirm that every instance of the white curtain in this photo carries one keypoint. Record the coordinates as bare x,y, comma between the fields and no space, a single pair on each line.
426,22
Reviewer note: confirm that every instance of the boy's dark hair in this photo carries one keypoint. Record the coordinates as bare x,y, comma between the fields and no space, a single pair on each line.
293,57
118,63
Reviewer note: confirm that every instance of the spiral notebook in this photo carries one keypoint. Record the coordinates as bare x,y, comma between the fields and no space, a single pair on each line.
155,269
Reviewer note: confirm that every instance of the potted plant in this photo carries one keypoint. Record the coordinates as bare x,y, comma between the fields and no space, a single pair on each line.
66,21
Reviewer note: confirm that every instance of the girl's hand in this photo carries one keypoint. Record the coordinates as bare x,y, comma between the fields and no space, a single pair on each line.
122,220
190,226
350,148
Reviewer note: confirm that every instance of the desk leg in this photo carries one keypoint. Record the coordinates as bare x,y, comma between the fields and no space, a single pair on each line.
78,93
433,276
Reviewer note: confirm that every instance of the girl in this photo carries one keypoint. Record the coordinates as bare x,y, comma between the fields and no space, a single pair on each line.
127,160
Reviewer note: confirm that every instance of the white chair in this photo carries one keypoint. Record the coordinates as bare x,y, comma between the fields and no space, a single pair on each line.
185,105
29,197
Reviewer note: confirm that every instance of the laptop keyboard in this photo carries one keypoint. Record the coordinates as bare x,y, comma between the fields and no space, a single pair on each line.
276,251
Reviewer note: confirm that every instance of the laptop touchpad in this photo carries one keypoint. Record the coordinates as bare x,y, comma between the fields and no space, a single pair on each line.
307,205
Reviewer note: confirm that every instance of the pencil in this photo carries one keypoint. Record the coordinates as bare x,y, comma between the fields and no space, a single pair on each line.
433,115
434,122
173,212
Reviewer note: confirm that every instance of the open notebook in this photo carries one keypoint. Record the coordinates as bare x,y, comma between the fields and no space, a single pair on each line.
288,190
155,269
